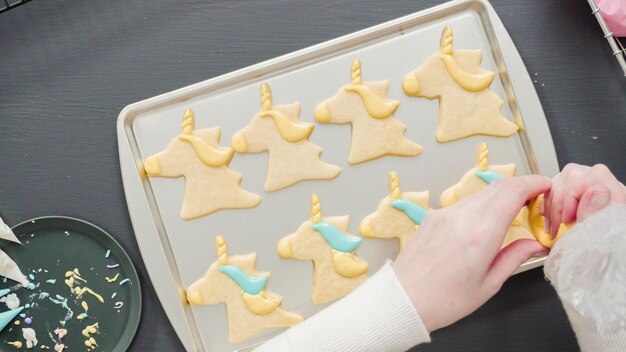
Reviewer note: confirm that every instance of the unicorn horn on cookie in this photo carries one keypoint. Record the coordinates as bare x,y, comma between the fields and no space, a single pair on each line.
325,241
398,215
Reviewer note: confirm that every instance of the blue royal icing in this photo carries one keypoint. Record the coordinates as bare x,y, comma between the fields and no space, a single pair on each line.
489,176
335,238
249,284
412,210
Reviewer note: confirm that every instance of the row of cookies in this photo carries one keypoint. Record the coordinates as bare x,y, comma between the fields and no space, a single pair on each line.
337,269
467,107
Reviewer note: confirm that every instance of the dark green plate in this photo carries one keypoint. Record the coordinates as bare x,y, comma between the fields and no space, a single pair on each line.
57,245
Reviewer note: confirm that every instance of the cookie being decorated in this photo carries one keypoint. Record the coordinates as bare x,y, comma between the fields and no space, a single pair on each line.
536,222
278,130
234,281
210,185
364,105
337,270
480,177
398,215
466,105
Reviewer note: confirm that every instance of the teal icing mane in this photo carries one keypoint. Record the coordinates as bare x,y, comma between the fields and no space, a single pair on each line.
249,284
412,210
335,238
489,176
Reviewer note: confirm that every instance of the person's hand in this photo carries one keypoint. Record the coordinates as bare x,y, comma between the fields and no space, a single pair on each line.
454,263
579,191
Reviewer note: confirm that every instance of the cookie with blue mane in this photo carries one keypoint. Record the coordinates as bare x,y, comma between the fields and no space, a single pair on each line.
337,270
480,177
398,215
234,281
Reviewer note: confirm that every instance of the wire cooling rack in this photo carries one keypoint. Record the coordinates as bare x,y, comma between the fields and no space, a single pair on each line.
618,49
6,5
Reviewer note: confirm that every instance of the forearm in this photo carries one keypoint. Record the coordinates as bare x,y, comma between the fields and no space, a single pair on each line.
377,316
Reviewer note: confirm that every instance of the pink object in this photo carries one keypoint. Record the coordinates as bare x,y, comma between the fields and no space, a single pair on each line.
59,347
614,14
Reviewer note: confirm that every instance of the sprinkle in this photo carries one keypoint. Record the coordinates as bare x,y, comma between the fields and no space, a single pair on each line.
113,279
31,276
113,295
51,281
85,306
82,316
44,295
59,347
31,286
124,281
118,305
17,344
108,253
27,306
90,329
28,320
17,322
23,315
60,332
112,266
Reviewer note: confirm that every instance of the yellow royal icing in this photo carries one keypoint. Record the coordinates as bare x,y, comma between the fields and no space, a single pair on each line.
376,106
260,304
348,265
469,81
537,224
209,155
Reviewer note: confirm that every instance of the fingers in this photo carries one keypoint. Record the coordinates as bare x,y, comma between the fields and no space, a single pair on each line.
595,198
508,196
509,259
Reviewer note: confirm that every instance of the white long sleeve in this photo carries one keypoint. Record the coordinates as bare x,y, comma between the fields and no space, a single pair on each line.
587,267
377,316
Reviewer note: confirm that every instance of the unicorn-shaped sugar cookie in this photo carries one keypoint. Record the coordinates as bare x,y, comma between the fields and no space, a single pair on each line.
466,105
292,158
375,132
337,270
235,282
398,215
210,185
480,177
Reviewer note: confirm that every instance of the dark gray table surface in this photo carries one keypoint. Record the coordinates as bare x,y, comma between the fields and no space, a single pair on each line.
67,68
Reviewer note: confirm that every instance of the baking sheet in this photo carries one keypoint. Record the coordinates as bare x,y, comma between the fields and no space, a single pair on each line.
179,251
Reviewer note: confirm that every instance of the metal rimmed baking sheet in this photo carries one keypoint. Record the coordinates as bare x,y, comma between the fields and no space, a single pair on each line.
177,252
